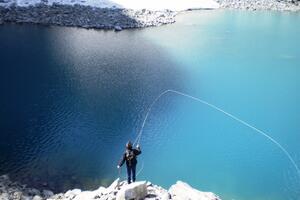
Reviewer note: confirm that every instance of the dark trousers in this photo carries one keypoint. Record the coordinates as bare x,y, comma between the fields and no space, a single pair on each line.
131,171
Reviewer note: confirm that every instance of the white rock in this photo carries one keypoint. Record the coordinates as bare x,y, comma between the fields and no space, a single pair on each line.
37,197
137,190
17,195
165,196
148,183
26,198
101,190
114,185
86,195
72,193
4,196
58,196
183,191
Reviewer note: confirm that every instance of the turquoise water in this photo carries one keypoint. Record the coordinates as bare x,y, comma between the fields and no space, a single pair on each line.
73,97
248,64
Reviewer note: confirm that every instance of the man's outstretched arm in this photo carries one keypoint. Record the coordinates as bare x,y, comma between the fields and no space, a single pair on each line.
122,161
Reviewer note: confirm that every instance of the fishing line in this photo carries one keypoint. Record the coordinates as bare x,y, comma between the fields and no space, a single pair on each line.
287,154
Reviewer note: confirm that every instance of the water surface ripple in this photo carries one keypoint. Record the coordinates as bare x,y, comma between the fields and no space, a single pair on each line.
72,97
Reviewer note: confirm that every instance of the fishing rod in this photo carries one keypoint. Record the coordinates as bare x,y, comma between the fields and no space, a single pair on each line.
264,134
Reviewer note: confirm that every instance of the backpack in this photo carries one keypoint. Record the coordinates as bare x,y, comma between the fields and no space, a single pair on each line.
129,156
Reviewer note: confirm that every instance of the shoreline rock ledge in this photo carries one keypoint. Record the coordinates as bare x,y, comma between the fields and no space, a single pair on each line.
118,190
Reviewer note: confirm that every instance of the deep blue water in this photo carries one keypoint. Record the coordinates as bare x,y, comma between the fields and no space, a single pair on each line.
71,98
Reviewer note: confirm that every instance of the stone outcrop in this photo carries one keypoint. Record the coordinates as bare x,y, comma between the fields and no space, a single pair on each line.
118,190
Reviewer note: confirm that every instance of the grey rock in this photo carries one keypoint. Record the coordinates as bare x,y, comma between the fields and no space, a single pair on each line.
16,195
137,190
118,28
47,193
34,191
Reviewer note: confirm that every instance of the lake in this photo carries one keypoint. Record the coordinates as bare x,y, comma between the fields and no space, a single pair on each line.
71,99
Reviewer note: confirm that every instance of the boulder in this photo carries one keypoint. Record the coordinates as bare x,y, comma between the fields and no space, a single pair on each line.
37,197
136,191
4,195
183,191
47,193
17,195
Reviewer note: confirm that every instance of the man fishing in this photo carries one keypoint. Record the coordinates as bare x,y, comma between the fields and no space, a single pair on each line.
130,157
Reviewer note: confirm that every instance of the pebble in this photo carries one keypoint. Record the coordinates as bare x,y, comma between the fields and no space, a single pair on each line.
118,28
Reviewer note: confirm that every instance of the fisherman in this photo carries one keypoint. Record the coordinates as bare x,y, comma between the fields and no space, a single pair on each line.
130,157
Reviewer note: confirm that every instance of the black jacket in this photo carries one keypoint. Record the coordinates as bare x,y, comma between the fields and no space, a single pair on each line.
130,157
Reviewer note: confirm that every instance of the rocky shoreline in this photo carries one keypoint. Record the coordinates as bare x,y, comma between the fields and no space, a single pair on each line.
10,190
118,190
85,16
115,18
276,5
